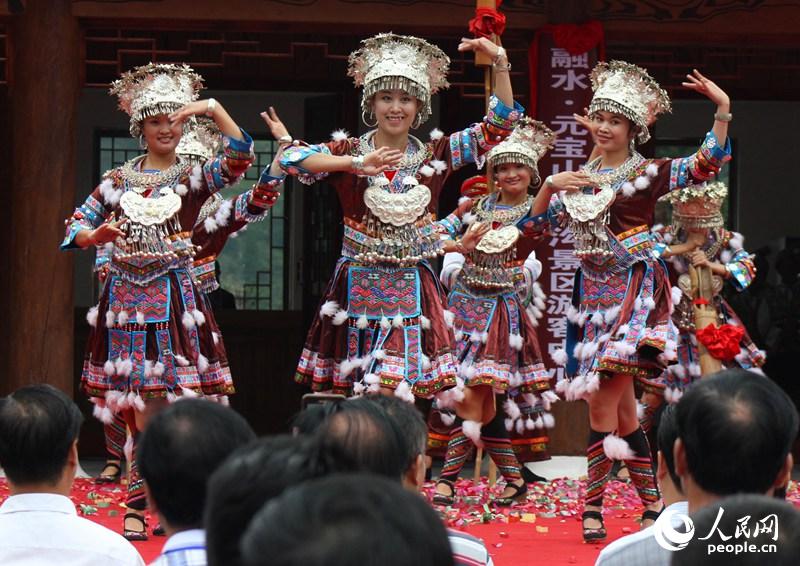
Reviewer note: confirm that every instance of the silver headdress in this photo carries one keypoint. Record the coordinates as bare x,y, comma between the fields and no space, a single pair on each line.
155,88
526,144
623,88
201,140
698,206
388,61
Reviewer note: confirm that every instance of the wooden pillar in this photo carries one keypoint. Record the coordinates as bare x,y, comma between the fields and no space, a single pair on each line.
44,87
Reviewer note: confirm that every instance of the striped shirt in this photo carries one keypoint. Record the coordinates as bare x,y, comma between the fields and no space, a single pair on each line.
468,550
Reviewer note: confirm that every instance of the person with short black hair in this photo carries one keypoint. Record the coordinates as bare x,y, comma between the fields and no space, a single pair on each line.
39,427
725,517
179,451
354,520
253,475
734,416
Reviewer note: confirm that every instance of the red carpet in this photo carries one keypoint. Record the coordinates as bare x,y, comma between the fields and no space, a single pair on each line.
545,529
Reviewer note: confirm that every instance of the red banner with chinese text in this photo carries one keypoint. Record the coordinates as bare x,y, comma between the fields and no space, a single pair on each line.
561,58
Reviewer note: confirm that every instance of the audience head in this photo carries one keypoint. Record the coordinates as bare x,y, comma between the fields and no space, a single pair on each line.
39,428
361,437
718,550
308,421
179,450
735,430
667,435
250,477
354,520
414,431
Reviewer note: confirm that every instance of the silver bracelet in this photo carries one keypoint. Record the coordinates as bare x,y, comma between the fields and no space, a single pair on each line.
285,139
723,116
212,105
501,52
357,164
549,181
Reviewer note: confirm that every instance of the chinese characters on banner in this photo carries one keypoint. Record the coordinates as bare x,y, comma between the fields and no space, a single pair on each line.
560,86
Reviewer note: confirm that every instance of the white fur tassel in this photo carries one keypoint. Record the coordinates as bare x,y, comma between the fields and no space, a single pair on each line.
385,324
358,389
397,321
340,317
624,348
158,369
196,178
202,363
183,362
616,448
559,356
449,318
597,318
509,424
436,134
329,308
548,398
472,430
362,322
652,170
139,318
188,392
612,314
512,409
427,171
515,341
91,317
439,165
562,385
210,224
199,317
628,189
188,320
549,420
447,418
737,241
403,391
379,355
181,189
122,318
215,337
592,382
649,303
339,135
677,295
424,322
110,319
641,183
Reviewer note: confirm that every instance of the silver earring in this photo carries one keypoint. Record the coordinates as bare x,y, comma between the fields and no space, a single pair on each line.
417,121
142,143
364,118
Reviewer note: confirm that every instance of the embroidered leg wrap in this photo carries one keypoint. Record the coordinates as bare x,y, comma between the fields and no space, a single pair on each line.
599,468
458,449
641,467
136,497
115,437
498,445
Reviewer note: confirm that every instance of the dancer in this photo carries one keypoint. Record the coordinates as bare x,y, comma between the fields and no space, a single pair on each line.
619,326
698,238
381,325
151,338
492,292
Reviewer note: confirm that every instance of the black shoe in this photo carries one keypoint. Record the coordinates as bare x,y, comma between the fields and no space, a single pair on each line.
135,535
520,493
650,515
159,531
442,499
530,476
110,474
597,534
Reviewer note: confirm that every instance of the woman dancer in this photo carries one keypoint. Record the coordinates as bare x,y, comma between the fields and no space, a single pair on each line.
381,324
491,293
698,238
152,336
619,326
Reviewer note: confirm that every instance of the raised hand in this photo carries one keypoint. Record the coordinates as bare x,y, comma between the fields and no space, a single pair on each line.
473,235
107,232
380,160
196,108
705,86
699,259
276,127
479,45
569,181
585,121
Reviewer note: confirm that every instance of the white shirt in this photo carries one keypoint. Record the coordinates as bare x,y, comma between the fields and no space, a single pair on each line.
41,529
641,547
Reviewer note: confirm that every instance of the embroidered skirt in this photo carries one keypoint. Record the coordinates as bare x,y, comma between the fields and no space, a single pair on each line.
154,340
380,324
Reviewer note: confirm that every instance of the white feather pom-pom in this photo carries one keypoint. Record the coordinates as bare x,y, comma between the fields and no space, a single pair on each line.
612,313
472,430
379,355
515,341
424,322
459,335
122,318
549,420
623,329
737,241
171,397
385,323
468,371
512,409
188,392
447,418
468,218
358,388
91,317
148,368
427,171
603,338
362,322
652,170
436,134
582,318
215,337
562,385
426,363
530,424
158,369
577,387
403,391
181,361
641,183
589,350
560,357
372,379
202,363
109,368
397,321
624,348
347,366
199,317
725,256
210,224
520,426
597,318
449,318
649,303
637,304
548,398
616,448
340,135
188,320
628,189
592,382
572,314
196,178
509,424
340,317
328,308
677,295
181,189
138,403
439,165
110,319
577,351
694,369
140,318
